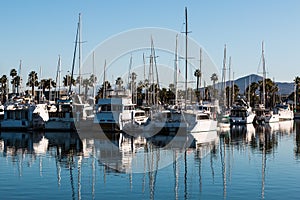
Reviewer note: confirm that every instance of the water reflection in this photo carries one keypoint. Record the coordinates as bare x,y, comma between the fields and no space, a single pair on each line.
92,161
297,142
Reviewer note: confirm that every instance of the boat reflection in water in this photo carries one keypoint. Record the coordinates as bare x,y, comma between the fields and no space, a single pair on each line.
297,139
88,165
124,153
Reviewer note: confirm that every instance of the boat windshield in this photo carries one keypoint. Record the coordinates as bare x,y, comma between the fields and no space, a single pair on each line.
139,114
203,108
201,117
110,107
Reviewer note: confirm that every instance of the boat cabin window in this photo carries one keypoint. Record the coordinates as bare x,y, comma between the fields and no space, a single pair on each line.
139,114
109,107
204,108
129,107
201,117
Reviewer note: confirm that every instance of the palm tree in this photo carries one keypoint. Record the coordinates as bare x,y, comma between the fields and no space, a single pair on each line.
86,83
32,81
100,94
236,91
253,97
133,86
163,95
49,84
17,82
119,83
3,88
270,91
13,73
296,100
42,85
67,81
214,79
197,74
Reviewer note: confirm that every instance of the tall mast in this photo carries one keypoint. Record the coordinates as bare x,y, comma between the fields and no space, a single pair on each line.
40,73
176,69
151,79
20,75
144,67
104,83
58,72
232,87
249,97
94,77
224,77
229,91
130,79
156,70
200,68
264,75
146,93
186,54
73,62
79,51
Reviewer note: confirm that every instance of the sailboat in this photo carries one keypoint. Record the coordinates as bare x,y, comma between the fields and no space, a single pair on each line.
200,118
61,114
264,115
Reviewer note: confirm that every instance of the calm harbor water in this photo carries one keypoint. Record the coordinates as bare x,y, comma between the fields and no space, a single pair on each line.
242,163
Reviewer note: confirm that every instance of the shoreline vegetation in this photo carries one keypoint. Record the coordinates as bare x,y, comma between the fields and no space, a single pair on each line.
50,89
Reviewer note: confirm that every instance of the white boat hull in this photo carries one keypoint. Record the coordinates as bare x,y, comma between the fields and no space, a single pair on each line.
203,126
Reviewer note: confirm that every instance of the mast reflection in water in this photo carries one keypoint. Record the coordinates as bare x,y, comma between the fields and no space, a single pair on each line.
244,162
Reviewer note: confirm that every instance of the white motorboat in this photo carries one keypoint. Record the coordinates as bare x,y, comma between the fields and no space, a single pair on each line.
241,115
113,113
18,115
285,113
60,116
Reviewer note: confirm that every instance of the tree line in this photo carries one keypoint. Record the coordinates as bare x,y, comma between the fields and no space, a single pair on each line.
43,84
144,91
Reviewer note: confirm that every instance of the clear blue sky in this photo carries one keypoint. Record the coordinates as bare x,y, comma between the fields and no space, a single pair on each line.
36,32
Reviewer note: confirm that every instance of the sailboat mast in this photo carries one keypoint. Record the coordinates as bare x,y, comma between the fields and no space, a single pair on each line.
264,75
57,80
73,63
233,87
104,83
151,81
79,52
156,70
20,75
94,77
249,97
186,54
146,91
229,91
176,69
200,77
224,77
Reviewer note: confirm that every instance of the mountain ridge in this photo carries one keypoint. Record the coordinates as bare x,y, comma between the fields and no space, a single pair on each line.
285,88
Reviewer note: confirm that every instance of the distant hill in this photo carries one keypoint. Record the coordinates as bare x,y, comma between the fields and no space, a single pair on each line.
284,87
